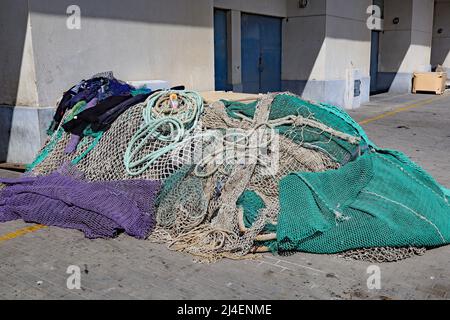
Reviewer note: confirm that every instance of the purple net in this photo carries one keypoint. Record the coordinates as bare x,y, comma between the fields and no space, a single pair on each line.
64,199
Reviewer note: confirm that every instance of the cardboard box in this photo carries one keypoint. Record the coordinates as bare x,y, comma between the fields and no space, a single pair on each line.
430,82
212,96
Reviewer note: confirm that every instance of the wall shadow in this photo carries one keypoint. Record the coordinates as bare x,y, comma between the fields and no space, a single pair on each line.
396,40
6,117
164,12
440,49
13,28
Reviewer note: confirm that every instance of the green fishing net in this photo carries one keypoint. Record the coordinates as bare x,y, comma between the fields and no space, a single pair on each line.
377,200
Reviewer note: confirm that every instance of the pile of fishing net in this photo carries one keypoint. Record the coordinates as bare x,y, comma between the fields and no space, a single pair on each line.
65,199
280,174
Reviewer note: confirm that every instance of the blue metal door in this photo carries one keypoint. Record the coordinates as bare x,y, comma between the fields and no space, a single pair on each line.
220,50
374,49
261,53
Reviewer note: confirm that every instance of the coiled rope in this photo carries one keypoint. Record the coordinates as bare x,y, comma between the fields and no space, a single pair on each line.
163,121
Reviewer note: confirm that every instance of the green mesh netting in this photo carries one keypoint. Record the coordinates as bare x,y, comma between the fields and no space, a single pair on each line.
381,198
251,204
55,138
377,200
285,105
172,181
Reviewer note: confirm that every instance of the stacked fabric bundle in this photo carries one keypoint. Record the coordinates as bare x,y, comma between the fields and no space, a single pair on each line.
280,174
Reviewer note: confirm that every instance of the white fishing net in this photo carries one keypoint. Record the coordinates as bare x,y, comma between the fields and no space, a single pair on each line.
200,215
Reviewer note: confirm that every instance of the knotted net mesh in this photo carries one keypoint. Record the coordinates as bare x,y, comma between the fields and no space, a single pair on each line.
105,162
207,215
216,205
65,199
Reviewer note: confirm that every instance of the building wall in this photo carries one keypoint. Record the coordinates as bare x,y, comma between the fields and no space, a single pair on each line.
348,37
20,136
17,74
304,32
137,39
325,47
440,50
405,47
276,8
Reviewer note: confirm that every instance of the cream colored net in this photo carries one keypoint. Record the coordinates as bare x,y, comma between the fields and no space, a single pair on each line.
105,161
199,214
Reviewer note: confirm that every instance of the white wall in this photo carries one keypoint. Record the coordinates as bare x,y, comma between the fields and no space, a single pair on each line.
348,37
173,40
303,48
27,94
137,39
406,47
326,46
325,39
304,32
